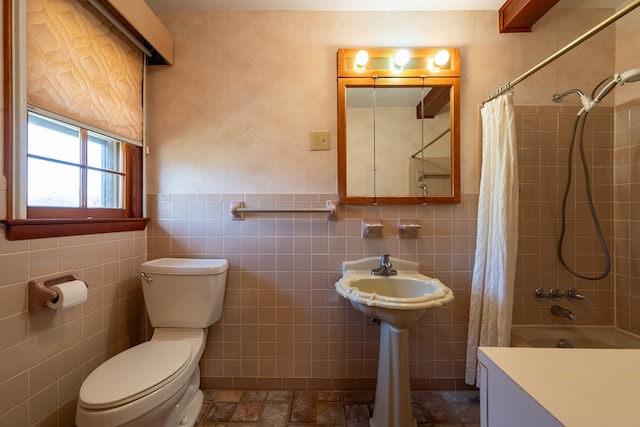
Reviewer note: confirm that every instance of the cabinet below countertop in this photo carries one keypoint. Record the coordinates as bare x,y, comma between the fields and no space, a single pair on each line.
569,387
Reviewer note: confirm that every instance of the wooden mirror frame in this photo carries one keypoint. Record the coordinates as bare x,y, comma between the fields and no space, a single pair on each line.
350,75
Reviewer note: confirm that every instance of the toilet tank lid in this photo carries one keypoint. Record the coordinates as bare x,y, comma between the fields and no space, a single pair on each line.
185,266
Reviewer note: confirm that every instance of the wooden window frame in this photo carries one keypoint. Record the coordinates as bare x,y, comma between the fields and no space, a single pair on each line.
59,222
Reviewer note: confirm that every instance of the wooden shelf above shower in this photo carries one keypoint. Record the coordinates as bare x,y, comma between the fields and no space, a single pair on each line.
518,16
433,102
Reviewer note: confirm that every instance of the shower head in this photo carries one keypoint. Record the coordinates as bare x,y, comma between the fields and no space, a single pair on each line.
632,75
556,97
629,76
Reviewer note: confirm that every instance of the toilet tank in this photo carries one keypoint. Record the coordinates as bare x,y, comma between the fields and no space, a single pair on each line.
184,292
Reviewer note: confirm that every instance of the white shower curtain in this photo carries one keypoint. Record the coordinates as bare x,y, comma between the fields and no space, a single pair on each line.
497,234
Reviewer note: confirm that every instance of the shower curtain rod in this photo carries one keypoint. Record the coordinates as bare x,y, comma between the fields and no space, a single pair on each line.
430,143
604,24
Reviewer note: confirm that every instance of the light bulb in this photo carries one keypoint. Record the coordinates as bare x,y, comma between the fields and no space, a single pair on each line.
362,57
402,57
442,57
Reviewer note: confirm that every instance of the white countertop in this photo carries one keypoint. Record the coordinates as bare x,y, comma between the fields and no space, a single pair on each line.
579,387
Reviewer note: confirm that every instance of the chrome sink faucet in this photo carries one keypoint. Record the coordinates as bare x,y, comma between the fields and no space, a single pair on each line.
385,268
556,310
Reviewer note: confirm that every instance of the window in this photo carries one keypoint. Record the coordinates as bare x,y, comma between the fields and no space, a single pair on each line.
72,167
73,150
78,181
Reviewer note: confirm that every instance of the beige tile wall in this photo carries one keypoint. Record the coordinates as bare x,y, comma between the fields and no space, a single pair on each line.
627,215
45,356
544,135
283,323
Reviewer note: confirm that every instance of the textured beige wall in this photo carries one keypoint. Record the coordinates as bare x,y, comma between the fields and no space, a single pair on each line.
234,112
627,54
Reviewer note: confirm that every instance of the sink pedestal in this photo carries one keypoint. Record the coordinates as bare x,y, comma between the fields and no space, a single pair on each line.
392,407
398,301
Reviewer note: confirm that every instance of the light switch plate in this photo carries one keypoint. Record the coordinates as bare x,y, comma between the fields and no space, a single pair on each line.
319,140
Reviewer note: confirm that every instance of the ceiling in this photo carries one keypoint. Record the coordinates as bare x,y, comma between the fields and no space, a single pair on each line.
361,4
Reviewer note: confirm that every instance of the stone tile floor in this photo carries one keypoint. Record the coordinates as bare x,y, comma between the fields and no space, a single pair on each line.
288,408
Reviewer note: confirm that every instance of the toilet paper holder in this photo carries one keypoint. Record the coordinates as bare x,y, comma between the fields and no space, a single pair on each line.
39,292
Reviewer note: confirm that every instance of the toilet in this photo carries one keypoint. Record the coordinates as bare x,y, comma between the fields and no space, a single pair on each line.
157,383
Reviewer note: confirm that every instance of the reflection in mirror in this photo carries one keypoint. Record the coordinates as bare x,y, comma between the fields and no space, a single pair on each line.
397,136
413,155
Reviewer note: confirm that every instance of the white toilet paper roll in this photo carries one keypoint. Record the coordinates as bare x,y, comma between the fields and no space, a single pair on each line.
69,294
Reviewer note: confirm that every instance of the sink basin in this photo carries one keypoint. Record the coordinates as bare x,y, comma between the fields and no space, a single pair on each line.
394,289
398,302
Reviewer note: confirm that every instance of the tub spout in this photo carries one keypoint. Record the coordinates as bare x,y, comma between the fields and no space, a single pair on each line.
556,310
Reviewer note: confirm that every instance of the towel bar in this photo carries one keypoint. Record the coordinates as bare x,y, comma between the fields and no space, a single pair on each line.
238,210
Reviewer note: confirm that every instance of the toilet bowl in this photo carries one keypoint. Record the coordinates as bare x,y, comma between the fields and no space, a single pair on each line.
156,383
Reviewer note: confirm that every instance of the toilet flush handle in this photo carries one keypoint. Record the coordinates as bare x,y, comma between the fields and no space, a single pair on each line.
146,278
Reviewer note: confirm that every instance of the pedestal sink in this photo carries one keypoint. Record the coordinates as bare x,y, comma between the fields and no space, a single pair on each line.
398,302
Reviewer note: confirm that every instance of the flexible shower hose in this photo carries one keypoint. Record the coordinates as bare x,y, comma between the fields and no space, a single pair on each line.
580,122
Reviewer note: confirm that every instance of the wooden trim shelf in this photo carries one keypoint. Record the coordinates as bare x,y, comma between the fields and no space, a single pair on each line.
23,229
518,16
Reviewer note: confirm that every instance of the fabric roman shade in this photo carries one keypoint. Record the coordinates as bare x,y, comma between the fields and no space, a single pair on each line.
83,68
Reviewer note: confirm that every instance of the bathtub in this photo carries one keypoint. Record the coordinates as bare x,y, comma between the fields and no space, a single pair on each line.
572,336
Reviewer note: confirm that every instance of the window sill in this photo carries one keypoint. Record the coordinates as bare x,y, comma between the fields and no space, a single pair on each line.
23,229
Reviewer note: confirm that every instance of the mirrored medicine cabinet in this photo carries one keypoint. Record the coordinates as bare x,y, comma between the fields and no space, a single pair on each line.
399,125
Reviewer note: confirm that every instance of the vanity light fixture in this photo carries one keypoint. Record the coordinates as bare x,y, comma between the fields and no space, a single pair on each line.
396,62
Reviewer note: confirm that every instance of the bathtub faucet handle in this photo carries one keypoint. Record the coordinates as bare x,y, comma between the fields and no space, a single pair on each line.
555,294
574,295
540,295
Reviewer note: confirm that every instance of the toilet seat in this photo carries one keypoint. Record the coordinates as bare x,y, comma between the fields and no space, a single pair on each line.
134,373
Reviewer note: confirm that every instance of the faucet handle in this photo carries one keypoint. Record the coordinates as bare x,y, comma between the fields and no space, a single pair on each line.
385,267
574,295
555,294
540,295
